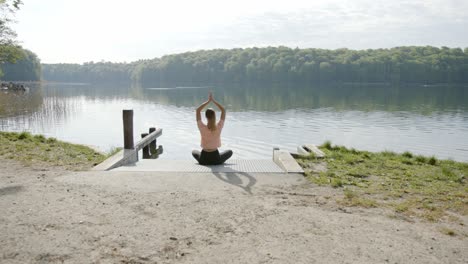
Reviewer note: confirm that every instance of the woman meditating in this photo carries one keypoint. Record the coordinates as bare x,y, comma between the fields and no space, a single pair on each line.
211,136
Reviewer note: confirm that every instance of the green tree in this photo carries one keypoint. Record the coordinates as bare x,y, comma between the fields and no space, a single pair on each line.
28,68
10,51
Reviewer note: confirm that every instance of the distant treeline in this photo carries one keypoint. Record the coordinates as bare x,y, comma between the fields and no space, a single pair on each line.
89,72
278,64
27,68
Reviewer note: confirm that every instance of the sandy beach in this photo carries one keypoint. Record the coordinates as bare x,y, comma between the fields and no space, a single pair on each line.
46,219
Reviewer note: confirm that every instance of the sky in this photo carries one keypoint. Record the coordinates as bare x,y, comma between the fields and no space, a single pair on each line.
77,31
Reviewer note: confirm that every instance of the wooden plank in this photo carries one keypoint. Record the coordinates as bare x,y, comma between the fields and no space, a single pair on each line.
128,156
146,152
147,140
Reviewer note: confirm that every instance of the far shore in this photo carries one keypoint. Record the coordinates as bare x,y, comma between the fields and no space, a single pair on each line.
204,84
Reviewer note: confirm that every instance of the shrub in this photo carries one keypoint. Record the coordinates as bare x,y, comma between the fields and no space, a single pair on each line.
354,151
432,161
421,159
407,154
24,135
341,148
327,145
388,153
41,138
407,162
51,140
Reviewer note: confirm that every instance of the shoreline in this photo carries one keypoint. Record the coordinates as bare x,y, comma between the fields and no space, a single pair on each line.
141,222
358,174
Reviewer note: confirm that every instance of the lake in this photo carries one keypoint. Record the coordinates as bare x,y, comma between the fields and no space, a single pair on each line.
429,120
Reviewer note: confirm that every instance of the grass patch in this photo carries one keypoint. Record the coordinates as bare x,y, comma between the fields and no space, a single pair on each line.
407,154
32,149
432,161
448,231
327,145
413,185
351,198
336,183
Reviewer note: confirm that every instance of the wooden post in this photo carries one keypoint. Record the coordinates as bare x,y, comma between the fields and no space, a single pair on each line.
146,153
152,145
128,129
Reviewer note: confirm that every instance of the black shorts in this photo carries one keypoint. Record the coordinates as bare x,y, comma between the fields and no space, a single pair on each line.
212,157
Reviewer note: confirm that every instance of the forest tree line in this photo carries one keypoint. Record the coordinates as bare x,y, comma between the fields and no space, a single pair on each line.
411,64
282,64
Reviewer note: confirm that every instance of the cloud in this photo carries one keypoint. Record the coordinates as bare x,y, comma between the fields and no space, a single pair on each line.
365,24
77,31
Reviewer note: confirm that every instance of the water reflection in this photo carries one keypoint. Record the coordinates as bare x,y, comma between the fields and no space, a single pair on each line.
35,109
420,99
426,120
13,103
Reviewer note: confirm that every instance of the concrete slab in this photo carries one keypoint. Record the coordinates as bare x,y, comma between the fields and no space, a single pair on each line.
306,150
182,181
120,158
286,161
161,165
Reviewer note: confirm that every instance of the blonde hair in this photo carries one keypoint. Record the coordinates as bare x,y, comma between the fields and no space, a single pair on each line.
211,117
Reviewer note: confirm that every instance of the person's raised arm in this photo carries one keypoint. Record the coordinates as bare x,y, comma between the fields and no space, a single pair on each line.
223,111
202,106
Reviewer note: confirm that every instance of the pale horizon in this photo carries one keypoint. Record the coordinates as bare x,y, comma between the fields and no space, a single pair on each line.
119,31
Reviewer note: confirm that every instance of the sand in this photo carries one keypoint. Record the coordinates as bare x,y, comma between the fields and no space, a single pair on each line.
45,219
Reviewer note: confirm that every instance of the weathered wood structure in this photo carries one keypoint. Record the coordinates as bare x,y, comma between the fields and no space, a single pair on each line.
129,155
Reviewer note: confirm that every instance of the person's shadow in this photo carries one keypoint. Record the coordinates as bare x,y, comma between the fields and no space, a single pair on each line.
232,176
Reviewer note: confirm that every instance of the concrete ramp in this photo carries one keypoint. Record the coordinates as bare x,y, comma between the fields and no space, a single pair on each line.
150,181
161,165
162,175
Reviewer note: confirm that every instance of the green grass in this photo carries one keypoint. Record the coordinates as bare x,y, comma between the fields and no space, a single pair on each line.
31,149
448,231
351,198
409,184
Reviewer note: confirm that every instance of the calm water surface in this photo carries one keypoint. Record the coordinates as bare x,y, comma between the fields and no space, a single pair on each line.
423,120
